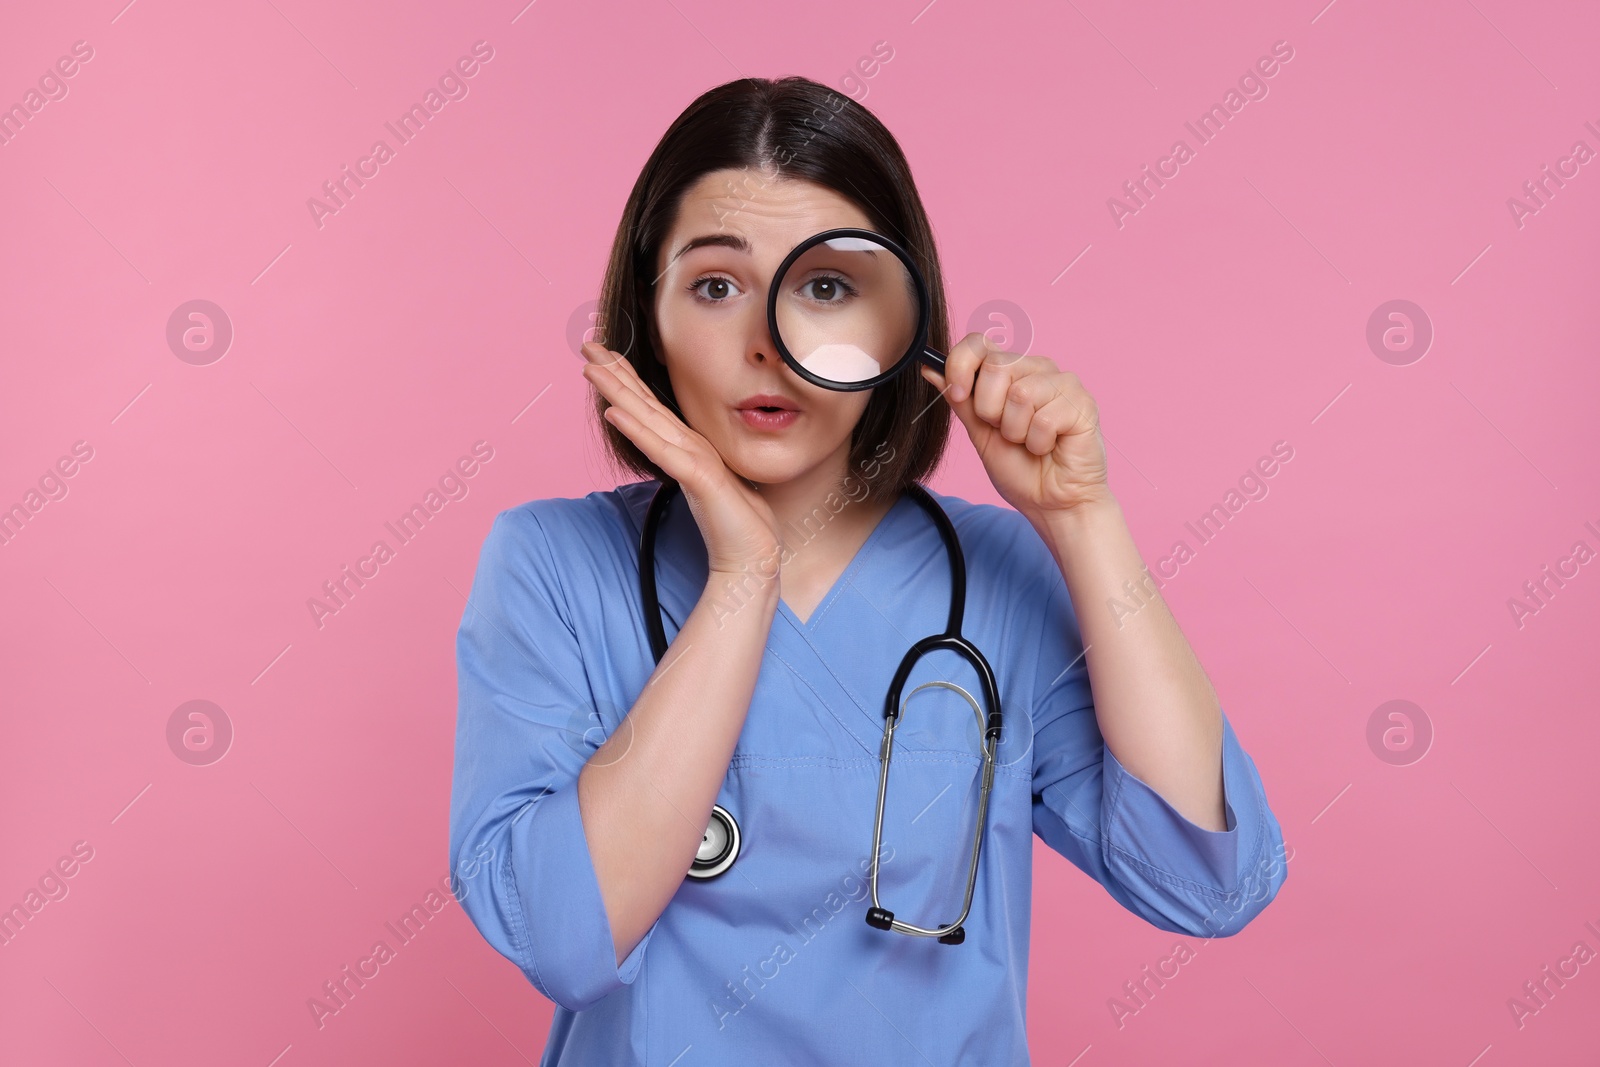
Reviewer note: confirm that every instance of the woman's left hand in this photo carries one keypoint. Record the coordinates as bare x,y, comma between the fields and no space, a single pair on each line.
1035,427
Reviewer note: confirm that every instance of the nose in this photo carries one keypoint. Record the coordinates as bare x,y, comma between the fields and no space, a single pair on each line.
759,347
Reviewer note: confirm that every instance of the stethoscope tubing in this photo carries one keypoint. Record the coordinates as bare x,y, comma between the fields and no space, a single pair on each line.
951,639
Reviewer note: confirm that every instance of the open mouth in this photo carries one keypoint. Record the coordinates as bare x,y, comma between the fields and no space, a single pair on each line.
767,411
768,416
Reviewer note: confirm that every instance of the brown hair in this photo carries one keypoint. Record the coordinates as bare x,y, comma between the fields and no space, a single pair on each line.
807,131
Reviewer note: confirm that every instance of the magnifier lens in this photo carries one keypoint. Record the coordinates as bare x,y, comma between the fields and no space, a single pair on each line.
847,309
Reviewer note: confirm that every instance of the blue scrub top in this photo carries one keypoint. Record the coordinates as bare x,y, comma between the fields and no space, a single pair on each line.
772,962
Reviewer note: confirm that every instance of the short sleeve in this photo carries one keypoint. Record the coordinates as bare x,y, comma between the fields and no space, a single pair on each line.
525,726
1176,875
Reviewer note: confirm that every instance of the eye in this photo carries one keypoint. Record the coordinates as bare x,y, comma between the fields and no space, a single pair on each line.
829,289
720,289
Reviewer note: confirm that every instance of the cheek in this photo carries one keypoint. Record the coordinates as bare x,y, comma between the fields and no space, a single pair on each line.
689,333
891,336
689,344
843,415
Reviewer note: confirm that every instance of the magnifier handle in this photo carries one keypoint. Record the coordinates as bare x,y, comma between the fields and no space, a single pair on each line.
933,359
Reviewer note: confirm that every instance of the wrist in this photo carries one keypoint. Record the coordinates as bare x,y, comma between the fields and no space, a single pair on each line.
732,587
1056,525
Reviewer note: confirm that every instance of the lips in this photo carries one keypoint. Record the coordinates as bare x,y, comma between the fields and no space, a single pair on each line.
768,412
767,402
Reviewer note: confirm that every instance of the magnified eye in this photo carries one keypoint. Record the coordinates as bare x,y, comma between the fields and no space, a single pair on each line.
829,289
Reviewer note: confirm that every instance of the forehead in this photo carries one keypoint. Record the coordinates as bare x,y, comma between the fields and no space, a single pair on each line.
773,213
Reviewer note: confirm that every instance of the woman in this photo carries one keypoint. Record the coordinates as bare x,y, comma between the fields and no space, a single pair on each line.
794,572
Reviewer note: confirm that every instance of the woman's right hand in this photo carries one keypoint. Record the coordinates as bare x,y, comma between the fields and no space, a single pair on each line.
738,526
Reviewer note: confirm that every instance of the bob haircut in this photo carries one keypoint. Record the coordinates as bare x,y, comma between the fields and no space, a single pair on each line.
801,130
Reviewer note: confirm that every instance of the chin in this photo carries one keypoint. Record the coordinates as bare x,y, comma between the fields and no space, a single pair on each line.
769,469
768,473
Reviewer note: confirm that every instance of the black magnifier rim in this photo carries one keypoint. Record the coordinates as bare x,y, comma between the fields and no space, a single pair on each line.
925,305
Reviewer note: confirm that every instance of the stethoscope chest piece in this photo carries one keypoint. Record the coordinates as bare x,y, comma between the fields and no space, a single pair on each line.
719,847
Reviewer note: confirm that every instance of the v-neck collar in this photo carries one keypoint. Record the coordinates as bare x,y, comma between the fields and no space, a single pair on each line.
809,625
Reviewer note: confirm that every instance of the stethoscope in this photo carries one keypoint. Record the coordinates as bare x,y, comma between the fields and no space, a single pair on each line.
720,846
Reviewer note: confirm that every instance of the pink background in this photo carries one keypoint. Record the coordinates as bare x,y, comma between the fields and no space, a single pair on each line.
369,354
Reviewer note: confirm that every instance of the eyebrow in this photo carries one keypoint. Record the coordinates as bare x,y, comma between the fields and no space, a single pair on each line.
726,240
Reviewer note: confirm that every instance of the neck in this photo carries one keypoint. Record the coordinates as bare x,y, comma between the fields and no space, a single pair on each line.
825,504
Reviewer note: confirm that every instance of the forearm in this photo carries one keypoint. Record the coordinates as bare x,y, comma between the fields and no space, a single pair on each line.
1155,706
646,794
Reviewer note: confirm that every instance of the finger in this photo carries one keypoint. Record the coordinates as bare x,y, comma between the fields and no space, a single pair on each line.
671,456
649,412
1058,417
621,378
1070,387
620,368
963,409
939,381
1073,411
634,380
1025,398
995,378
595,352
961,365
1035,383
612,384
648,441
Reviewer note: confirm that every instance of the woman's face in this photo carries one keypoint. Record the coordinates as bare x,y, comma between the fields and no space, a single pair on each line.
711,323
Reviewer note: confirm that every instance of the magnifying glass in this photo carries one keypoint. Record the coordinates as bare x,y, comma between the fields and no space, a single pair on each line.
849,310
